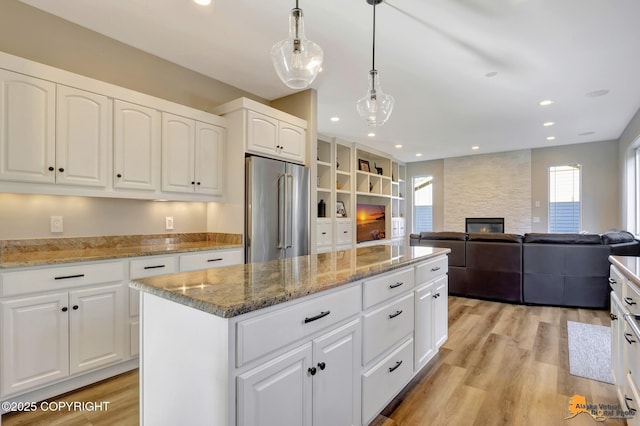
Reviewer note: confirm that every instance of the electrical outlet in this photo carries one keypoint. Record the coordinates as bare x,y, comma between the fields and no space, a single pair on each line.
56,224
168,223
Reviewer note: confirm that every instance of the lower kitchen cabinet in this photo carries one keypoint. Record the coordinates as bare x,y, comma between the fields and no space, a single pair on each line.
49,337
441,310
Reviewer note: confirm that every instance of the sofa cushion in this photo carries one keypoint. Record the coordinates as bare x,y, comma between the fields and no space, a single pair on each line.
443,236
540,238
615,236
496,237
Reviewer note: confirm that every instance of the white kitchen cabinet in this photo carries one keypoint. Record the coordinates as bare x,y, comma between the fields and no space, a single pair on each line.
27,128
344,232
336,382
276,138
97,333
441,310
48,336
424,342
35,335
316,383
136,147
324,233
82,137
277,392
192,156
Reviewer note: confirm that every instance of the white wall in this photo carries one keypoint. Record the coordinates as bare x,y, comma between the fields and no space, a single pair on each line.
27,216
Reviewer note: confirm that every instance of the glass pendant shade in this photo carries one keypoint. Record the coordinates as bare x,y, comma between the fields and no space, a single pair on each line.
297,60
376,106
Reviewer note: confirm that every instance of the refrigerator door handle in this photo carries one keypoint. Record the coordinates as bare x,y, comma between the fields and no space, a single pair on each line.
282,203
289,220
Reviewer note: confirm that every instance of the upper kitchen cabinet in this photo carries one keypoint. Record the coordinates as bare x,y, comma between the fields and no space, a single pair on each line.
82,137
52,133
266,131
27,128
136,147
192,156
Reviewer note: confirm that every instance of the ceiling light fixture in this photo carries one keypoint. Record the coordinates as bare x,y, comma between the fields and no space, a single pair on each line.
419,155
398,146
375,107
545,102
475,147
335,119
548,124
202,2
296,59
551,138
371,134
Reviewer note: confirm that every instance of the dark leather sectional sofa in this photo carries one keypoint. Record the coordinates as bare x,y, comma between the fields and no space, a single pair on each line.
545,269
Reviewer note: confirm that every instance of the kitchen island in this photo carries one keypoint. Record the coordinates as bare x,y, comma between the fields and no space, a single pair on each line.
325,339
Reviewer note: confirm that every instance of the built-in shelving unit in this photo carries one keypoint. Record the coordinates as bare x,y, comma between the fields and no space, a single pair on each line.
349,175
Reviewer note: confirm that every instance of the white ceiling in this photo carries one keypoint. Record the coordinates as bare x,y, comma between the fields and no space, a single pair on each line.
432,56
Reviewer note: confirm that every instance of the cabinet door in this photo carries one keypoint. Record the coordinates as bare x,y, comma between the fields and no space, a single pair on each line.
278,392
617,344
424,343
441,310
291,140
27,128
344,232
324,232
209,159
82,132
96,327
178,141
136,147
35,333
262,133
336,384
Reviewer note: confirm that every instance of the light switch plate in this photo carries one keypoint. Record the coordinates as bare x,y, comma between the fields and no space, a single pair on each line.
57,224
168,223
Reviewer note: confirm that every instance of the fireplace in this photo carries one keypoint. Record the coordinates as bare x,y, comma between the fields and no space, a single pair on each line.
484,224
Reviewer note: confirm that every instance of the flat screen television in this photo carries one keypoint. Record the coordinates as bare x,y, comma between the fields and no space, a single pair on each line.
370,223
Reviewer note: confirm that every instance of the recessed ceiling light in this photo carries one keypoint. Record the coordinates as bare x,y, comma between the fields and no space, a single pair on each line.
551,138
586,133
545,102
597,93
334,119
371,134
418,155
475,147
548,123
203,2
398,146
491,74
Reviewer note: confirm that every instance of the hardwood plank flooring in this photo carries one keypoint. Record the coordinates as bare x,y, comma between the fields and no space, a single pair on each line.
503,364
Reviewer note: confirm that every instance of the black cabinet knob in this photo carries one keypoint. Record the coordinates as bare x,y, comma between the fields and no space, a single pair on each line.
51,168
312,371
321,365
193,182
119,175
198,183
61,169
75,307
65,309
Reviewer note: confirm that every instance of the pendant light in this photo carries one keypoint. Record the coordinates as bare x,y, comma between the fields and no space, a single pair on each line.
297,60
376,106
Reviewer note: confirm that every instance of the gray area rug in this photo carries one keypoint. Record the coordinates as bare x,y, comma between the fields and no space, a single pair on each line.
590,351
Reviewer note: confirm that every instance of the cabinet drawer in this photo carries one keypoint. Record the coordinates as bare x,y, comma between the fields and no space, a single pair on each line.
384,380
151,266
344,232
428,271
210,259
324,232
386,326
265,333
47,279
631,299
616,281
387,286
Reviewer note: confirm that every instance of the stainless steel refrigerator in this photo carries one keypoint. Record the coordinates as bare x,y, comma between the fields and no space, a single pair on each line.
277,210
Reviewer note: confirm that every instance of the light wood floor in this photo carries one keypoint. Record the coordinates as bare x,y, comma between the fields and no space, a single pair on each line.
502,365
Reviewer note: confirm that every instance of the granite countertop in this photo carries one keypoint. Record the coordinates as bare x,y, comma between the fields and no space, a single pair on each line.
234,290
52,251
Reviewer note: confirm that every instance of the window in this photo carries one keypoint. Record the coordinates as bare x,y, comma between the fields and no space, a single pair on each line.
423,204
564,198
